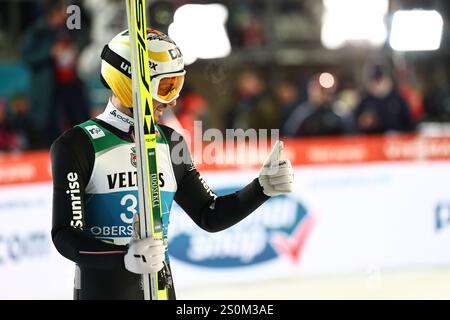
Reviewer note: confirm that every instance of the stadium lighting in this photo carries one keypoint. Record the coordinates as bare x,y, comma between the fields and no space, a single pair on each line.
199,30
354,22
416,30
326,80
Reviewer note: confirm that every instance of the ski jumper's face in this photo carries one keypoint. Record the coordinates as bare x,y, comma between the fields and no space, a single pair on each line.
158,108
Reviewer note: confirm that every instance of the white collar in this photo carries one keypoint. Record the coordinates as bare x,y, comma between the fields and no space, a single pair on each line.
116,118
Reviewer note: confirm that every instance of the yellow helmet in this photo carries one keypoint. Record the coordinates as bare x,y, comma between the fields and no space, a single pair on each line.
166,67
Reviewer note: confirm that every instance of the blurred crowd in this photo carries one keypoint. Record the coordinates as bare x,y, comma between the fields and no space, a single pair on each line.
65,89
323,107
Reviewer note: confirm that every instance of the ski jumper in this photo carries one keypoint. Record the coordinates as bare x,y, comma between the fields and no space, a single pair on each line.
95,197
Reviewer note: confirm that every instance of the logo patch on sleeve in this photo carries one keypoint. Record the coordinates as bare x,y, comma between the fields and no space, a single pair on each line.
95,132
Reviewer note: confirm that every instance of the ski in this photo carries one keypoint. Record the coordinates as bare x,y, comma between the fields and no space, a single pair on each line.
150,220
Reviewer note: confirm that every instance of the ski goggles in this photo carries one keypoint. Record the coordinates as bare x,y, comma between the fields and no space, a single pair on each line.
167,87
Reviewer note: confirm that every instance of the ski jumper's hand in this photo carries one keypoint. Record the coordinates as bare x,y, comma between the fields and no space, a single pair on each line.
276,176
145,256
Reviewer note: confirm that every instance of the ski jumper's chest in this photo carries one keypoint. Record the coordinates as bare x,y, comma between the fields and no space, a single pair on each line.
111,193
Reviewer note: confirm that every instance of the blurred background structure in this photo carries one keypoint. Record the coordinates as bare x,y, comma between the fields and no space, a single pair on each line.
347,82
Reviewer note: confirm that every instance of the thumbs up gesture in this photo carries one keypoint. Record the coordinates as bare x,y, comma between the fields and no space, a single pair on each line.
276,176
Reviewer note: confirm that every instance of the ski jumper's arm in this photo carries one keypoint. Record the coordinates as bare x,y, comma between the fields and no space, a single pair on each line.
206,209
72,157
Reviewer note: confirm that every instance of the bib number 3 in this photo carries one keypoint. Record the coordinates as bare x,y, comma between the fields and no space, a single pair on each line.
131,202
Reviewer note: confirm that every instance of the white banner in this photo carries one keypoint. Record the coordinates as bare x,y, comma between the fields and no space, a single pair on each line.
30,266
339,219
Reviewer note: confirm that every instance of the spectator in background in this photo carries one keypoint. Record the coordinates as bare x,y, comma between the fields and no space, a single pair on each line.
245,27
108,18
191,108
20,119
412,96
9,140
253,33
346,100
253,108
315,117
56,94
382,109
288,98
347,96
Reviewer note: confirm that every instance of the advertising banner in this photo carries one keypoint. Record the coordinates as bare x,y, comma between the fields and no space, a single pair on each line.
378,203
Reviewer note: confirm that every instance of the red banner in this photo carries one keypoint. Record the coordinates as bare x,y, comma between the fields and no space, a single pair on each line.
25,167
35,166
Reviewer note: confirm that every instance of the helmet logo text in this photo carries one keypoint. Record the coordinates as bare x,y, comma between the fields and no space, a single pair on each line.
175,53
125,67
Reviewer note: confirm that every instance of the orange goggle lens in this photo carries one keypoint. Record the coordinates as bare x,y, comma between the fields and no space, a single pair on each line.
170,87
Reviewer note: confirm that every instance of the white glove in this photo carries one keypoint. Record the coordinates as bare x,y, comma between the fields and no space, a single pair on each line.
145,256
276,176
